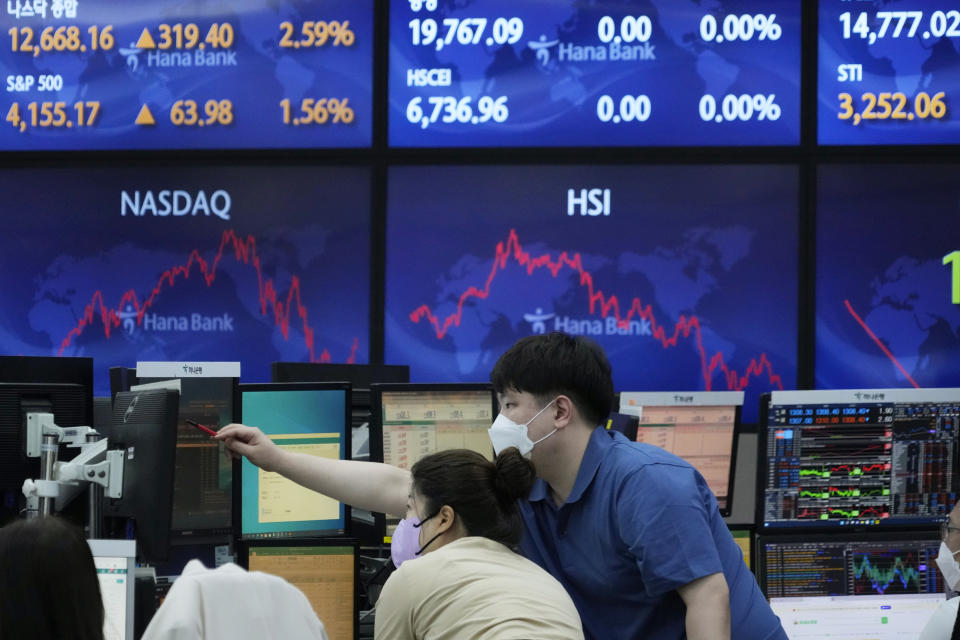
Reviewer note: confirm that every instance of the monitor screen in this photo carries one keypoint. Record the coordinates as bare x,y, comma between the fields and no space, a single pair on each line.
309,418
701,428
654,271
187,264
570,73
416,423
887,286
327,572
115,562
864,458
888,72
892,617
206,75
844,565
202,487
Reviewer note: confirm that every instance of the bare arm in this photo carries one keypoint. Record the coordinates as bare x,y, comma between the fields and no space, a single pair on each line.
368,485
708,608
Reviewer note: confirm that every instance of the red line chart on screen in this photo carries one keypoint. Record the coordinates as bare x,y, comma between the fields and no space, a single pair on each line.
686,326
880,343
244,250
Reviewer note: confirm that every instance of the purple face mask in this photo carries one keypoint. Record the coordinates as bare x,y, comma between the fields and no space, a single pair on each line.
405,542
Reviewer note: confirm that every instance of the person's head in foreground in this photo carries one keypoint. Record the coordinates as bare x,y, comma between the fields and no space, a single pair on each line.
459,493
48,583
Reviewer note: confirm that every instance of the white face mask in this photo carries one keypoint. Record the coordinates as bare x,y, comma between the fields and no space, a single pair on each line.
505,433
949,566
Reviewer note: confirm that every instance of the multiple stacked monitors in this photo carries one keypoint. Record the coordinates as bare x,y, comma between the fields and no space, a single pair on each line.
157,75
872,458
309,418
174,264
630,256
327,571
701,428
888,74
792,566
508,73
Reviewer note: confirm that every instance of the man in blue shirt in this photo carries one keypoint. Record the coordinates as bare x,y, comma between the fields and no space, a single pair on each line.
631,531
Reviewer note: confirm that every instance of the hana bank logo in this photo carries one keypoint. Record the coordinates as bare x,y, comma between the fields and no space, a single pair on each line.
538,320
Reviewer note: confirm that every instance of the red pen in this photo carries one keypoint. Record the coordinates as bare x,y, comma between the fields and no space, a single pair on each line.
201,427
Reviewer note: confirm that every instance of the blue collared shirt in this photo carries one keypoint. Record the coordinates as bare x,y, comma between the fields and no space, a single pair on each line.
639,523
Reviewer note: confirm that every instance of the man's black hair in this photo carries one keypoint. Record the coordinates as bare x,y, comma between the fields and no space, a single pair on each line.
555,363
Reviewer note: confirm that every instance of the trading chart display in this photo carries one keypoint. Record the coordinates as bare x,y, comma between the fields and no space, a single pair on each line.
569,73
102,74
664,276
854,567
860,458
888,281
889,73
170,264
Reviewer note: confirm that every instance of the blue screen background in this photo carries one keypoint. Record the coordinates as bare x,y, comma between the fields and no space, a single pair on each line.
717,244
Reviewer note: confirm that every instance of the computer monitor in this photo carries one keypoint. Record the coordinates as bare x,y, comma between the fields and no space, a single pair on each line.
311,418
70,406
326,570
887,617
870,458
202,489
410,421
144,426
702,427
843,564
115,561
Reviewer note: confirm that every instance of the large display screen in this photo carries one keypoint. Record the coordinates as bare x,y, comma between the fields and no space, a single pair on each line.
686,276
889,72
252,264
102,74
862,458
568,73
888,276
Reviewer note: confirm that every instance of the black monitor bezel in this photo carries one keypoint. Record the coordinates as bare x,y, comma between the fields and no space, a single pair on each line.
243,559
121,379
332,372
870,536
237,506
883,529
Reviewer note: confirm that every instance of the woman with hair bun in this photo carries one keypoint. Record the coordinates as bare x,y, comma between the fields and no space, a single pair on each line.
467,582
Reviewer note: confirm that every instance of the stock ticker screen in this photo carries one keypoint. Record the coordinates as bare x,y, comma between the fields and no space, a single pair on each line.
663,276
872,458
888,72
568,73
257,264
101,74
887,284
850,566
